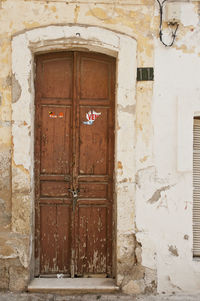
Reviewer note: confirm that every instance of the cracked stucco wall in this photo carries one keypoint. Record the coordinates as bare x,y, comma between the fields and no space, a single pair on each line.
157,255
164,161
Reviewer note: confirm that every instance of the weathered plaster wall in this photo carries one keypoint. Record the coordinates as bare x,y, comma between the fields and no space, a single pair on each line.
157,252
164,180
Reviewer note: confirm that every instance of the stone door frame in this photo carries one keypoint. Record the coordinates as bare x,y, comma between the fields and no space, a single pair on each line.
74,37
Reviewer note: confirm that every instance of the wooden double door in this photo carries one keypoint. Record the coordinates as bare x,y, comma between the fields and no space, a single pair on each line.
74,158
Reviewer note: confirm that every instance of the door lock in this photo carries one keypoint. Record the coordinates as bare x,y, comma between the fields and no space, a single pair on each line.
74,196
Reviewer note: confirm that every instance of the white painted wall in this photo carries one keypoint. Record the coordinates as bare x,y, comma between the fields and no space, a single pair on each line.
164,186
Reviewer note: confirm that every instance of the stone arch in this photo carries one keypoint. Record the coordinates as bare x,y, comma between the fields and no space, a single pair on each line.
73,37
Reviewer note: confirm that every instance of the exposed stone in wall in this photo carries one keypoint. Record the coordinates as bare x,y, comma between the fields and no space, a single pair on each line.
14,261
15,245
4,274
18,277
137,278
5,190
13,276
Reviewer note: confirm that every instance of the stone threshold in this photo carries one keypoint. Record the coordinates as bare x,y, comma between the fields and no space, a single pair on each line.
72,285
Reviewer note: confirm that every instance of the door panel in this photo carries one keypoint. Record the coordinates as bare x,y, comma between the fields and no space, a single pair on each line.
48,237
92,233
74,153
54,189
63,238
94,79
55,240
55,142
93,191
93,142
57,78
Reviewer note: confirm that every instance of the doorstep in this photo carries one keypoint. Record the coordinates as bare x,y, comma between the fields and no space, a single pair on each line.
73,285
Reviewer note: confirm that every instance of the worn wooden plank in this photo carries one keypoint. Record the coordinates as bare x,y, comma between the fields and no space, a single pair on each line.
63,238
48,231
92,235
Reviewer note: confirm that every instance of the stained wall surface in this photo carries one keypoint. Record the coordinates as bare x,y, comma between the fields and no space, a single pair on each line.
156,254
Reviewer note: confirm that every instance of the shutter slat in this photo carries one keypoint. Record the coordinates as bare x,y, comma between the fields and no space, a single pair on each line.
196,187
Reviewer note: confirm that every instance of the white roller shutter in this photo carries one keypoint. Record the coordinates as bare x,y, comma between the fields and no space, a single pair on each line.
196,188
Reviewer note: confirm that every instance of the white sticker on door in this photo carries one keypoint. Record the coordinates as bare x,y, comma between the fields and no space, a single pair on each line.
91,116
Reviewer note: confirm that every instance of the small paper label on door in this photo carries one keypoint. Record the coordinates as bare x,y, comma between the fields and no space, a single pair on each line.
53,115
91,116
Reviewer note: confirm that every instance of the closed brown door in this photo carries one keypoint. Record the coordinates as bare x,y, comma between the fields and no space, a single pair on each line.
74,122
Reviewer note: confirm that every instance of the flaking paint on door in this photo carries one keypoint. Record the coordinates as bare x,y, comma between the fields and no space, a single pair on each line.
74,152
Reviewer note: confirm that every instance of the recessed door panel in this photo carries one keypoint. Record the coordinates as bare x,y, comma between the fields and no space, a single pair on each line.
55,240
94,78
93,140
55,139
92,234
57,78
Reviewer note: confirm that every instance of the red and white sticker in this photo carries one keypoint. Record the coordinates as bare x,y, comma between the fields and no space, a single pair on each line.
53,115
91,116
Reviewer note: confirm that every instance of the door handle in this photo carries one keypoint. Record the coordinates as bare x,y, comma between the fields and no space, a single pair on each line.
74,196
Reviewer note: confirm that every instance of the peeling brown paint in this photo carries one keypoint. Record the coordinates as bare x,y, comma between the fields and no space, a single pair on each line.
173,250
119,165
16,89
157,194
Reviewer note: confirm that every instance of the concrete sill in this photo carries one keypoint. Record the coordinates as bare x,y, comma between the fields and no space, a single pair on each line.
72,285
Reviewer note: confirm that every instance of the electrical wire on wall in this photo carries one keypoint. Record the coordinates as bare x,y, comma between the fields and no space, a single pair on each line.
161,4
